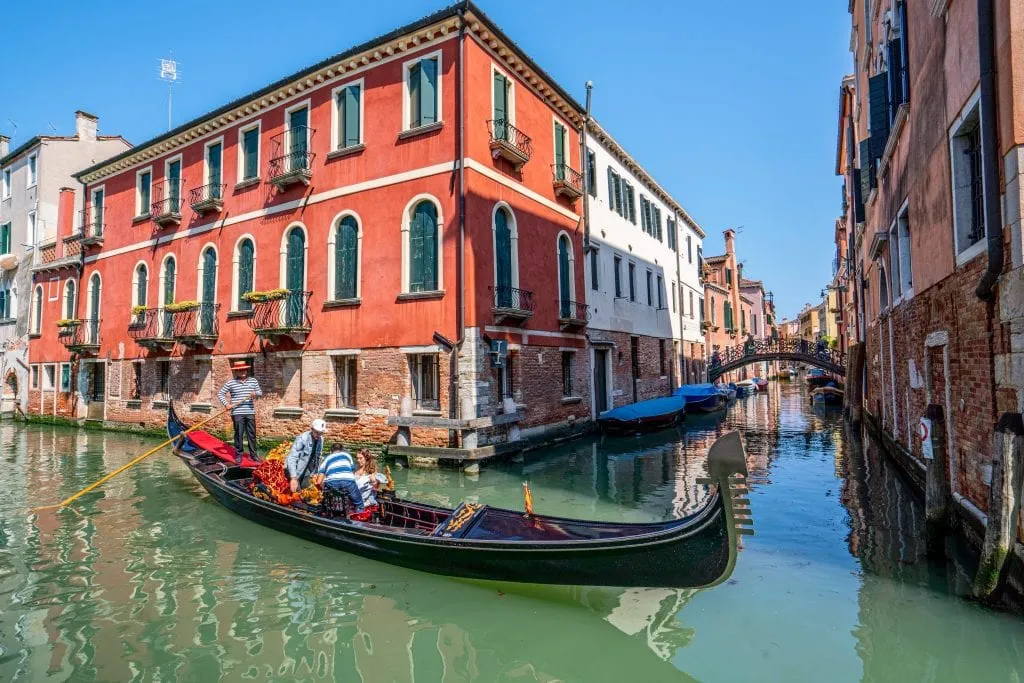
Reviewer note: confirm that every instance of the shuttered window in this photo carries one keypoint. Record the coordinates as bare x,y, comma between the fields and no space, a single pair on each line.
250,153
145,193
650,288
423,248
728,316
592,173
346,258
502,116
5,238
348,102
878,113
631,204
612,182
141,285
565,276
423,105
246,253
617,262
632,282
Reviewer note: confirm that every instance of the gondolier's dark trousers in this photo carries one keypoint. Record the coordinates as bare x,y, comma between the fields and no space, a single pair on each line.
245,426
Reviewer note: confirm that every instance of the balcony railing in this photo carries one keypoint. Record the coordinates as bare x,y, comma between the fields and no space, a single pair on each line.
209,197
153,328
91,227
511,303
286,316
82,338
510,143
166,209
567,180
572,313
291,163
197,326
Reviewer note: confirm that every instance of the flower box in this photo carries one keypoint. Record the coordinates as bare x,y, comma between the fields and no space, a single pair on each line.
181,306
261,297
68,323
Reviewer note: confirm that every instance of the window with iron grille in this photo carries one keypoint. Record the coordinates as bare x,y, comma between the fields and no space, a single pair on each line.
592,173
424,370
595,263
567,357
618,276
163,368
508,377
968,183
135,387
661,357
345,374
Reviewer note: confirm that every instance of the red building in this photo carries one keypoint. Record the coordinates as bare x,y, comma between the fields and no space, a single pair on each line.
392,236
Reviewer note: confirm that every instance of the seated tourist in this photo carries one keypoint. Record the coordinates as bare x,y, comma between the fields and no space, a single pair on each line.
337,472
304,458
368,479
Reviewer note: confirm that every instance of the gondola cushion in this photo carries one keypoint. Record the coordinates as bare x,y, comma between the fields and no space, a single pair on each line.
211,444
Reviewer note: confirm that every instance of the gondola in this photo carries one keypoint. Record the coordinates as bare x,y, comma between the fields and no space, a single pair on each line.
701,398
644,416
481,542
817,378
829,395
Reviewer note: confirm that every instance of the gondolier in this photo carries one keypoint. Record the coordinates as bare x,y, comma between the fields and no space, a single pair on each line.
239,394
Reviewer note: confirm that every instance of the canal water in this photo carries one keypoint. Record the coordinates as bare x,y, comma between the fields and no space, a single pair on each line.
152,580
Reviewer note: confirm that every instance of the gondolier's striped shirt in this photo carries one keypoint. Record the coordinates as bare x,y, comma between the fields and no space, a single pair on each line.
239,390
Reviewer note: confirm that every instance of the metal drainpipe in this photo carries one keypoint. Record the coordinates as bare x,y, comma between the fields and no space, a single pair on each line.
990,152
679,293
456,408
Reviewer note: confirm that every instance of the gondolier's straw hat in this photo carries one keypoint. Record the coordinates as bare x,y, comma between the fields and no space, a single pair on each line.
239,365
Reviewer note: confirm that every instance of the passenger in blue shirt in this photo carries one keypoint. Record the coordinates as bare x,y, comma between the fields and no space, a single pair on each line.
337,471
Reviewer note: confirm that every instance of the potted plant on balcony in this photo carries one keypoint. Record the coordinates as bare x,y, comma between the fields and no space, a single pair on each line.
263,297
180,306
138,316
68,323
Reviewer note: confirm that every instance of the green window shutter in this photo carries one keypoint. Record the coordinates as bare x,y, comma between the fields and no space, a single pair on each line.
295,275
500,106
246,252
213,159
428,91
414,95
250,150
346,259
352,95
560,150
611,189
632,205
142,286
423,249
169,275
297,144
174,185
145,188
503,254
592,173
563,277
5,238
878,113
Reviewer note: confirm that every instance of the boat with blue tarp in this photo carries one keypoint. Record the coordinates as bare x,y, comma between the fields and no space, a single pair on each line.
701,398
644,416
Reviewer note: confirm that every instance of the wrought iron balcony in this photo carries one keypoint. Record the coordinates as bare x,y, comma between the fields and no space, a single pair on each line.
153,329
567,180
166,209
197,326
572,313
291,163
509,143
207,198
511,303
82,337
284,316
91,227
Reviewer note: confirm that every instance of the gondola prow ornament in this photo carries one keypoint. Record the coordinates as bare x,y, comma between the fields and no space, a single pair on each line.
527,499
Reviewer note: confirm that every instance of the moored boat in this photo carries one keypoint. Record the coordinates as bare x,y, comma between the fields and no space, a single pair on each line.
829,395
482,542
817,378
785,373
701,398
644,416
744,388
761,383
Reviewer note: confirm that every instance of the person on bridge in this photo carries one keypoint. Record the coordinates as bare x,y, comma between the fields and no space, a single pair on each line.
238,394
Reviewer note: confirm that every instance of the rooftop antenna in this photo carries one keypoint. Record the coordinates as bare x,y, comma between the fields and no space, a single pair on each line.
169,74
14,125
52,127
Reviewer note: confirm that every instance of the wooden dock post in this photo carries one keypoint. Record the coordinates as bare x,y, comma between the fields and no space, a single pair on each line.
1004,504
937,487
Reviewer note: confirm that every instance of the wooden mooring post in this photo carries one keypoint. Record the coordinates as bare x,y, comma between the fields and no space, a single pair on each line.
1004,504
937,486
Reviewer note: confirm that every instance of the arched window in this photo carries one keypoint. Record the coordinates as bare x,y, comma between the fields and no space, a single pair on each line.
245,273
346,259
37,309
168,277
423,248
140,285
70,299
92,322
883,290
566,279
714,315
506,258
207,290
295,260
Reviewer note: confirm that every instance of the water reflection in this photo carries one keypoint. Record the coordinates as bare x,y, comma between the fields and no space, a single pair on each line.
150,579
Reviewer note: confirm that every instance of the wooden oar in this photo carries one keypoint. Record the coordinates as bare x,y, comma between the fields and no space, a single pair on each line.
134,462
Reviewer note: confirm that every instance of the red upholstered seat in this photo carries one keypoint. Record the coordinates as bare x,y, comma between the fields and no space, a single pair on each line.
208,442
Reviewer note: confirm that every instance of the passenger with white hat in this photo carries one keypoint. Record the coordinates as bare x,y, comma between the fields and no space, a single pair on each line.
304,458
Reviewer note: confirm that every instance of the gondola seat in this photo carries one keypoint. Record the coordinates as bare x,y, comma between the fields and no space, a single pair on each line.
214,446
460,521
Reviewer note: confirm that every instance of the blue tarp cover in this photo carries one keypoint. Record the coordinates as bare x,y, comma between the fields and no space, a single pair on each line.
696,391
645,409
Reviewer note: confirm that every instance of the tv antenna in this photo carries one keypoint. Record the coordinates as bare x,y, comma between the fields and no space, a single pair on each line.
14,132
170,75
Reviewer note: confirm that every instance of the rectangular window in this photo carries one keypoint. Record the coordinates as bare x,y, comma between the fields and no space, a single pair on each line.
163,379
595,262
348,108
65,377
670,224
135,383
7,183
35,376
661,357
753,323
701,308
661,297
621,195
632,282
567,357
49,377
906,262
700,304
673,297
968,185
143,192
345,374
728,276
689,249
5,238
631,204
33,177
425,381
214,165
617,264
656,217
507,376
96,221
592,173
612,184
249,153
5,301
650,288
644,214
422,85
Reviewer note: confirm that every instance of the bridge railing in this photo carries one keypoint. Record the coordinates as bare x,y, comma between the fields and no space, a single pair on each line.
751,349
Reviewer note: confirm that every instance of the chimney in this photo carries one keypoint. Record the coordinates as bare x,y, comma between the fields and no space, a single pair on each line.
65,214
730,241
85,125
5,145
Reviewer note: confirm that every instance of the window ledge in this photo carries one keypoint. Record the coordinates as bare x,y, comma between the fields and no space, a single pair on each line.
288,411
239,315
342,303
426,413
241,185
346,151
34,335
140,218
133,404
159,403
566,400
415,296
8,321
201,407
972,252
341,413
421,130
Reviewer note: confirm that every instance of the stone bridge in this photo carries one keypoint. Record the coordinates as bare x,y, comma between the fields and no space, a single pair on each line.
817,354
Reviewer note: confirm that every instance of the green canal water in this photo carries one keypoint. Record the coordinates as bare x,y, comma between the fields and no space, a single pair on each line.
151,580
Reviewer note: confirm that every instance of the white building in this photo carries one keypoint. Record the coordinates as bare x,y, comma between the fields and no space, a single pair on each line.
642,280
31,177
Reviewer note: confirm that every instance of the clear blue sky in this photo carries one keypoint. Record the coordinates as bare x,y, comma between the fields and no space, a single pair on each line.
731,105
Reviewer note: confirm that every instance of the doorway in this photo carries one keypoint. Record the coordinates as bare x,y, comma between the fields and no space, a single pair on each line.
634,363
97,391
601,380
